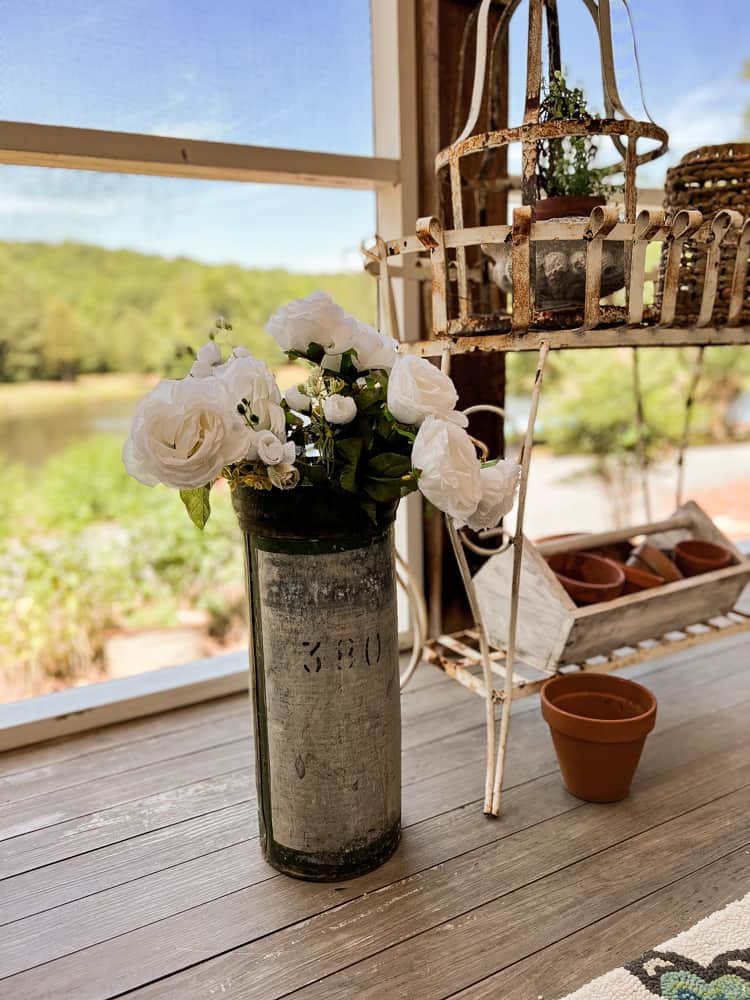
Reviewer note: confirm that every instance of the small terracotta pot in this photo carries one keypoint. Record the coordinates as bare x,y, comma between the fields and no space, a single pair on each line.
695,556
653,560
588,579
637,579
567,206
599,724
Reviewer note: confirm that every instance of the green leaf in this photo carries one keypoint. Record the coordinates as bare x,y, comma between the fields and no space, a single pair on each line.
384,490
371,397
351,450
347,364
197,504
389,465
313,472
369,507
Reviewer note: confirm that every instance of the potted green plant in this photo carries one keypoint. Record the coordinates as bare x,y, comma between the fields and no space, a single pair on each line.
569,186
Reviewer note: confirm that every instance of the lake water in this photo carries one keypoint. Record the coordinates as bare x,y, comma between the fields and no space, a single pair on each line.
32,439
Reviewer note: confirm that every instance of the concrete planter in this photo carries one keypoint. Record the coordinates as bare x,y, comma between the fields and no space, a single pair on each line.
324,677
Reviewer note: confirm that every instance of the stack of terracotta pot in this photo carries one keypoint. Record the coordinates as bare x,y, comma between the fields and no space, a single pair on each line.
602,574
599,722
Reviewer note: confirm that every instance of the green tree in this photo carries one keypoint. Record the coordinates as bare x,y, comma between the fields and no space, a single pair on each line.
61,341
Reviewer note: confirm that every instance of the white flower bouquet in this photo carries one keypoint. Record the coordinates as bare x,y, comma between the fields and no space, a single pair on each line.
364,422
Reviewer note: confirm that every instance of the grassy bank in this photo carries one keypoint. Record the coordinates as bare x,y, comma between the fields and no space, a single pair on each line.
85,550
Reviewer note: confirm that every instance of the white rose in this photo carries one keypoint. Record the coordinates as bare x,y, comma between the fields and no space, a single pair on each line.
331,362
248,378
271,451
311,320
373,350
339,409
297,400
184,433
499,485
450,470
343,337
283,476
417,389
208,356
269,417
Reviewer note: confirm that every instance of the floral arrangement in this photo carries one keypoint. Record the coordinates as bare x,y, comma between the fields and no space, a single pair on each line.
363,421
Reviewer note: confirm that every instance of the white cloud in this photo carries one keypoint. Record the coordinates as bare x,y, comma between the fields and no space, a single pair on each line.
197,128
84,207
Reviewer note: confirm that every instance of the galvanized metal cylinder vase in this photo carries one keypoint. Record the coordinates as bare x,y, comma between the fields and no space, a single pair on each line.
324,677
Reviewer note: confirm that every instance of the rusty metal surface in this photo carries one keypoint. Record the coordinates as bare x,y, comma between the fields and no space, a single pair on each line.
574,339
532,131
520,251
430,235
460,668
685,225
725,223
739,277
603,220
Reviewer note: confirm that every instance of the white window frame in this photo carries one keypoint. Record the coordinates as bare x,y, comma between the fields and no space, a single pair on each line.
391,173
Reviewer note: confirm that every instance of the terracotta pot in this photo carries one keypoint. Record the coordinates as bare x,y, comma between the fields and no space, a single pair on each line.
695,556
588,579
567,206
599,724
616,551
653,560
637,579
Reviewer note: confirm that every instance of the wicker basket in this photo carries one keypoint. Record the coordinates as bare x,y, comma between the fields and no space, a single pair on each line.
709,179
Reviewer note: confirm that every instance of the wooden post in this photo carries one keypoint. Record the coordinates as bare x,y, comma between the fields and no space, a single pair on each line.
441,82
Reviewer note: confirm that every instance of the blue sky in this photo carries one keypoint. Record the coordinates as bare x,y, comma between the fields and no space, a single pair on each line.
293,74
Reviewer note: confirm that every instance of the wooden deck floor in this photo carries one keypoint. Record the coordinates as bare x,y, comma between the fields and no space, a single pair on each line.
131,866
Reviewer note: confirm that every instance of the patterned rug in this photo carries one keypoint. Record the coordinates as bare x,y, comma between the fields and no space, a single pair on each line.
711,961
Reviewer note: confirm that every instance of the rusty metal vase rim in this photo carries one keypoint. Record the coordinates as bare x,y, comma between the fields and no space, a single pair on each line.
307,511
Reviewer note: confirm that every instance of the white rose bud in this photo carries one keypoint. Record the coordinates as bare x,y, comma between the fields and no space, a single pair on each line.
373,351
450,470
248,378
183,433
339,409
499,485
297,400
270,416
344,336
417,389
283,476
208,356
271,451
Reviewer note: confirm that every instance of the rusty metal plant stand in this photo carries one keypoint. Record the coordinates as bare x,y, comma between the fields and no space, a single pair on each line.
439,253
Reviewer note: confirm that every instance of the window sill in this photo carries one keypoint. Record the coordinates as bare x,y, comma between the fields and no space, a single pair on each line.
108,702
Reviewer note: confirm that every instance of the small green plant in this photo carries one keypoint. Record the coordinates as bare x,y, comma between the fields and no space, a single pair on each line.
564,166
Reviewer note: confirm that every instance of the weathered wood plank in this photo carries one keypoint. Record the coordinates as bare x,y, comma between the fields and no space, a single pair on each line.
619,938
107,867
38,939
485,937
69,748
59,807
444,780
131,819
52,777
419,902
